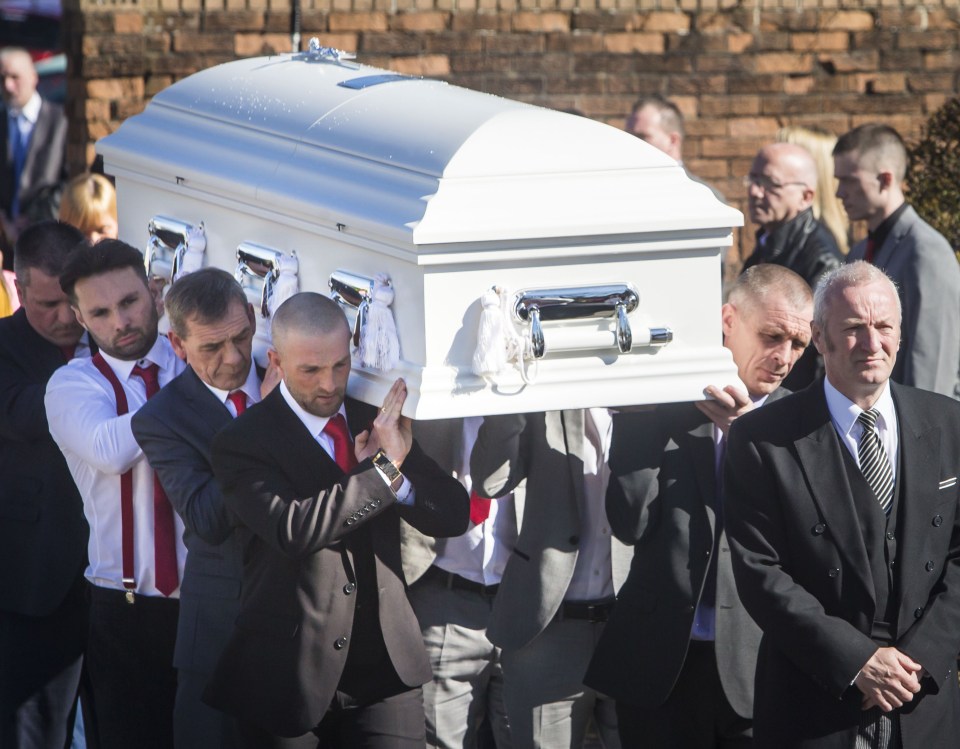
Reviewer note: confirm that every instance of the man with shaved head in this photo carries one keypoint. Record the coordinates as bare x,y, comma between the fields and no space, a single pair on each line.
870,164
326,644
781,188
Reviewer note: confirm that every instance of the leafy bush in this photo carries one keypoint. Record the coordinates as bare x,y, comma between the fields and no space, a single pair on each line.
933,184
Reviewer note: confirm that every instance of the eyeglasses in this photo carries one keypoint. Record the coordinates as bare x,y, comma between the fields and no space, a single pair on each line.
766,184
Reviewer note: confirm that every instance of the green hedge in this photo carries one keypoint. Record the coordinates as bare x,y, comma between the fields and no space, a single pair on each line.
933,184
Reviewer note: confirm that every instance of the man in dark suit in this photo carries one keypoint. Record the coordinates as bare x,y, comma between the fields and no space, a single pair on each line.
326,641
679,651
841,505
870,163
211,328
33,135
43,535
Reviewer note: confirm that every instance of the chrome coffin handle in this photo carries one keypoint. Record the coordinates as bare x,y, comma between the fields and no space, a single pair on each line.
352,292
166,247
258,269
538,306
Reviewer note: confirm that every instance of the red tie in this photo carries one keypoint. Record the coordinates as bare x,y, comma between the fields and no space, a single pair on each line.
479,508
871,248
336,429
239,400
68,352
164,535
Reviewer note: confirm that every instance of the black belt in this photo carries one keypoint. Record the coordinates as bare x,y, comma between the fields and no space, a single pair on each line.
452,581
585,610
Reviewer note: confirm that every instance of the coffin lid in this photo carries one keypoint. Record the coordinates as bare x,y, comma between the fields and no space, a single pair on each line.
405,160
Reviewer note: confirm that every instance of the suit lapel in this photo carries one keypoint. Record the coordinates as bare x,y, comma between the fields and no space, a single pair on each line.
702,448
574,437
886,254
818,451
202,403
304,458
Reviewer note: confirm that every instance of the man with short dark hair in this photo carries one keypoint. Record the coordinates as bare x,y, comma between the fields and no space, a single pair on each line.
842,513
136,554
870,163
658,121
326,644
43,536
679,651
211,329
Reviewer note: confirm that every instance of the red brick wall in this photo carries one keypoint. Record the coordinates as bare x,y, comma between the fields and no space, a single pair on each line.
738,70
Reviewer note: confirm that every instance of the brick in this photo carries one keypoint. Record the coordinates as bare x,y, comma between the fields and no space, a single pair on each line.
724,106
450,42
900,59
727,147
156,43
198,41
824,41
850,62
697,84
105,89
798,85
945,60
465,22
98,129
127,108
738,42
643,43
426,65
96,109
705,128
746,127
929,39
514,87
782,62
345,42
882,83
846,20
155,84
606,22
771,41
514,44
755,84
576,44
420,22
358,22
391,44
570,85
708,168
720,63
313,21
540,22
251,45
234,20
666,22
930,82
127,22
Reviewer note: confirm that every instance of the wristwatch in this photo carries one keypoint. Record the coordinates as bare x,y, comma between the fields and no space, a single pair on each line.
391,474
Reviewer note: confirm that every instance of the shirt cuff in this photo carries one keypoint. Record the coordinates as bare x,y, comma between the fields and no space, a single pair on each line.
405,494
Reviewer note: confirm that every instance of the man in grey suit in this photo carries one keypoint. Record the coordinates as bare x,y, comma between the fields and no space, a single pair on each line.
679,651
870,163
211,328
559,583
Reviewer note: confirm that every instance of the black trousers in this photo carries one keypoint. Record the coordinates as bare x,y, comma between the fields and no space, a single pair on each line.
395,722
696,715
130,665
40,664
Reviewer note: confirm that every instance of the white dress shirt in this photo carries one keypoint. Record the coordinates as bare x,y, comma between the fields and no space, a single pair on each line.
250,388
315,425
593,574
481,553
844,413
99,447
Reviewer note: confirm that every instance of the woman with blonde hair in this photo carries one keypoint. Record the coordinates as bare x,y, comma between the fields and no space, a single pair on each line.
826,207
89,203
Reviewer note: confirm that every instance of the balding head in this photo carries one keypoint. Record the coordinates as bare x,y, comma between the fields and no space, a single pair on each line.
311,348
18,75
782,184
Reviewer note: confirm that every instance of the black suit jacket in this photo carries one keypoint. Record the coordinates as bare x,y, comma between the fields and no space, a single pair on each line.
45,164
43,534
175,429
285,658
661,499
803,573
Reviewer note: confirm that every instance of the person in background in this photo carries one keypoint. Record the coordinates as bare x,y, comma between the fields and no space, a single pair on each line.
89,202
827,208
9,297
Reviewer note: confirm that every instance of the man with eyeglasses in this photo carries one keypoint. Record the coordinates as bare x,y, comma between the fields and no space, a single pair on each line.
781,188
870,163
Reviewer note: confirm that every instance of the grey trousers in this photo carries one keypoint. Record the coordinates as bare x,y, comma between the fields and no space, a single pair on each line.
467,681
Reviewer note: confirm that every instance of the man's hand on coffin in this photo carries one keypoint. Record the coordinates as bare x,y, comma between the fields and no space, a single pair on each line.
271,378
724,406
391,431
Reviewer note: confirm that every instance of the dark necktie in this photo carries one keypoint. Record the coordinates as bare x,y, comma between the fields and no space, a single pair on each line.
239,400
164,533
871,249
874,463
68,352
336,429
20,143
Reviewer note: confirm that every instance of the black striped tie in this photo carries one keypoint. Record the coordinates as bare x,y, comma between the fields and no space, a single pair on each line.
873,460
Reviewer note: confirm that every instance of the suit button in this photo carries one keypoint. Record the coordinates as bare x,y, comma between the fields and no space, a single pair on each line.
707,553
574,540
937,521
349,588
918,612
350,521
833,572
929,566
889,535
375,503
340,644
818,529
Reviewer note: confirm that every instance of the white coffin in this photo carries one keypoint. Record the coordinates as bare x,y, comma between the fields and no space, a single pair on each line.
449,192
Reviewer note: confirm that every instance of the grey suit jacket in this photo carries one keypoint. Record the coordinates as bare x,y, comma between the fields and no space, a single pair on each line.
921,262
544,449
803,572
45,164
661,500
175,429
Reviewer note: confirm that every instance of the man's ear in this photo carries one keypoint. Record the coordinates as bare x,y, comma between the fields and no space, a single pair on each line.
728,314
816,337
886,180
273,360
76,311
808,196
177,343
252,317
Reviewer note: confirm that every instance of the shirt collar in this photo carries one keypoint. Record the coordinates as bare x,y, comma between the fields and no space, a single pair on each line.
314,424
844,412
250,388
161,354
30,110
